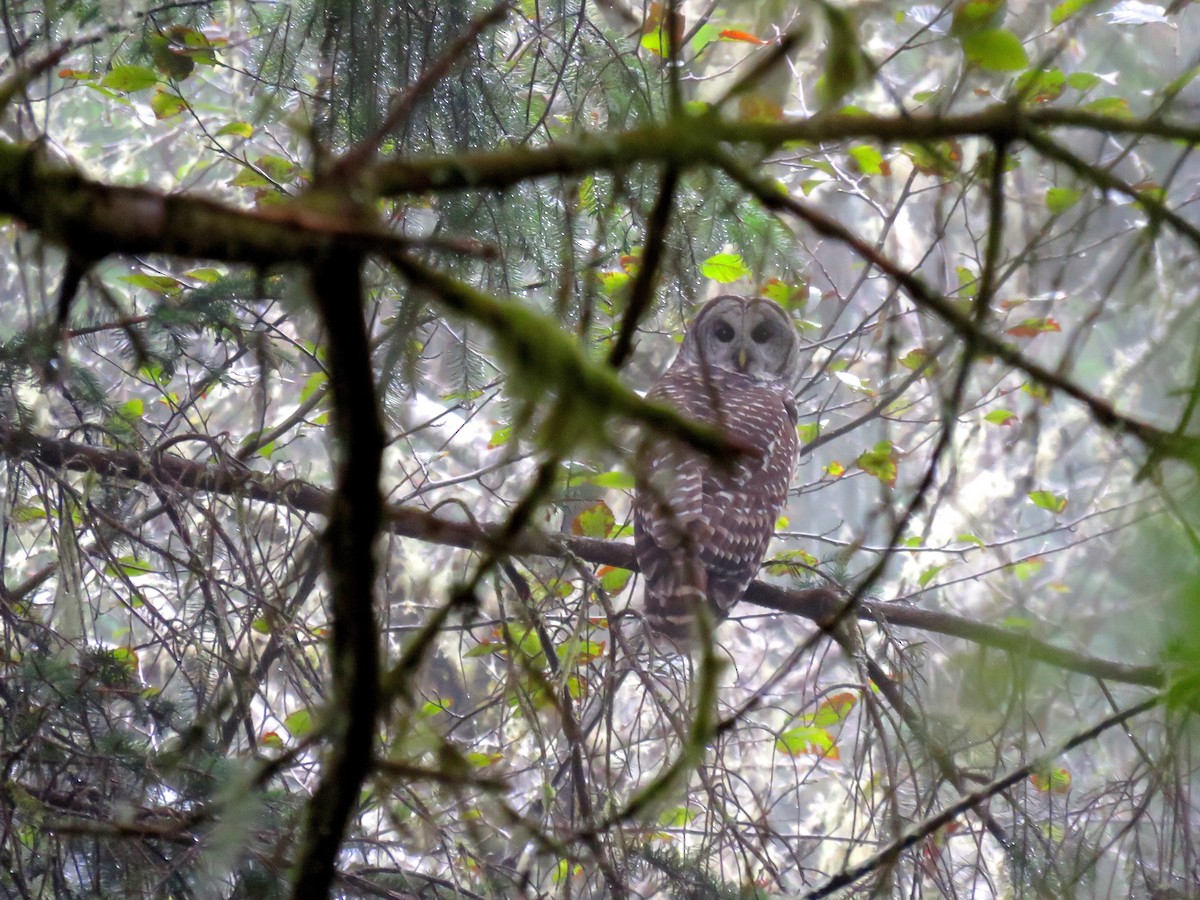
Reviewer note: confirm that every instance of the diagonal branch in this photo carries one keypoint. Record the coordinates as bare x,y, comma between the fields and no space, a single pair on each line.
888,854
1162,443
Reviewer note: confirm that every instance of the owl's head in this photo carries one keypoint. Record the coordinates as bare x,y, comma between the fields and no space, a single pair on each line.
748,335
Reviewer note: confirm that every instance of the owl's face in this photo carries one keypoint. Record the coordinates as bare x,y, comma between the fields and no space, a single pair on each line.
748,335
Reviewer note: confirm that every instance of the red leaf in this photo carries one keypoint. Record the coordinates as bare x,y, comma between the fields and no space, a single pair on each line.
730,34
1034,327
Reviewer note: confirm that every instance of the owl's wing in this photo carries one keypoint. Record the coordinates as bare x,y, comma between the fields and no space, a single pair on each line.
670,524
743,503
671,475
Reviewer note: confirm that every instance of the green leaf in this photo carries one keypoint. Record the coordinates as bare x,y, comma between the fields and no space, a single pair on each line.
277,168
614,580
808,740
724,268
832,710
167,104
205,273
613,282
129,78
299,723
977,15
915,358
676,817
1060,199
126,656
486,648
617,480
313,382
500,437
132,409
587,194
1055,503
870,160
654,42
880,461
157,284
237,129
790,562
248,178
1002,417
1027,568
129,565
1110,106
996,50
262,626
1068,8
1054,781
595,522
930,573
789,296
172,62
808,431
1082,81
969,538
1041,85
705,35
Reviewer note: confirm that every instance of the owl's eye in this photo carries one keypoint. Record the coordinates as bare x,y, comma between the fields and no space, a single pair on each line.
723,332
762,333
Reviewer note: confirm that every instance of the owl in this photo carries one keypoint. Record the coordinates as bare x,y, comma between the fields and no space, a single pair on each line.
701,527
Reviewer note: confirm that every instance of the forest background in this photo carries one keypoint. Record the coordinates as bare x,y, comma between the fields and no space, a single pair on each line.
324,330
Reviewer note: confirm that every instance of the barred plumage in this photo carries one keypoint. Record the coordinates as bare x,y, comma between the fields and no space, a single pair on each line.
701,529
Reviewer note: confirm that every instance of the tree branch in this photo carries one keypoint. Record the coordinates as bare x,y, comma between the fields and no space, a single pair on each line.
230,478
354,509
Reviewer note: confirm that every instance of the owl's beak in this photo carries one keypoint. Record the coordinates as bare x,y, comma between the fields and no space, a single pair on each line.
742,359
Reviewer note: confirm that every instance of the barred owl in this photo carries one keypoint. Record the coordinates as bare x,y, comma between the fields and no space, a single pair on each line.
701,528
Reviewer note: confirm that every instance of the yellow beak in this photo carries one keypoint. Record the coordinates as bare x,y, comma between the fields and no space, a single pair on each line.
741,359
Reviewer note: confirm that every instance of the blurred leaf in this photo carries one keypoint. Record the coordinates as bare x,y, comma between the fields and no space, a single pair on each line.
971,16
617,480
732,34
1082,81
158,284
166,104
832,709
596,521
808,740
1027,568
1002,417
236,129
1068,8
1052,780
613,580
930,573
1033,327
1060,199
869,160
1110,106
299,723
724,268
845,67
129,79
996,50
1056,503
881,462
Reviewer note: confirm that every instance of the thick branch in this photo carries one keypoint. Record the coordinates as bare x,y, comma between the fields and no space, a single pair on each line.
355,511
688,140
233,479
